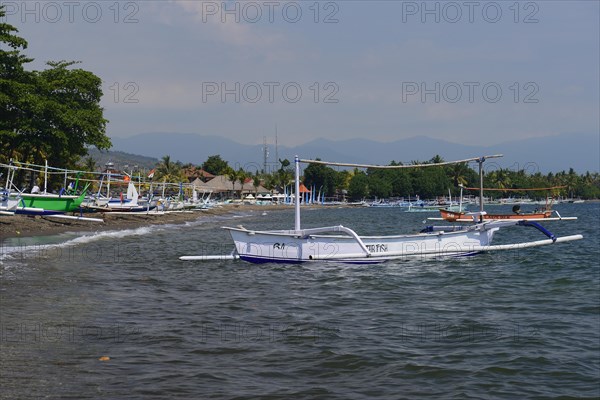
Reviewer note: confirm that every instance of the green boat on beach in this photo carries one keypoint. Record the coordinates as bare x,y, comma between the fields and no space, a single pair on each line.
41,203
50,202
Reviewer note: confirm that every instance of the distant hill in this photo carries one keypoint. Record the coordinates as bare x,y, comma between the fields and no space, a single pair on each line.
121,158
546,154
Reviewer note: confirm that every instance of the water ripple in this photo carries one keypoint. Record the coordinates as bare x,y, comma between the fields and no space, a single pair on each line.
503,325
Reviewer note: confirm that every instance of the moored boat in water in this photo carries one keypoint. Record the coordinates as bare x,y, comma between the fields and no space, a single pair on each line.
342,244
453,216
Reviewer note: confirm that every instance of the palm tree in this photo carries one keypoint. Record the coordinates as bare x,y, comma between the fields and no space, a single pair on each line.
458,173
283,178
436,159
90,166
501,178
256,183
232,174
166,166
241,176
170,171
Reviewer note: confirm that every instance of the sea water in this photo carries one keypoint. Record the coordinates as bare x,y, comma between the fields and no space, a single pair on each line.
521,324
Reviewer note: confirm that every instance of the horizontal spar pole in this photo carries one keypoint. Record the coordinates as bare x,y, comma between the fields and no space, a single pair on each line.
338,164
72,217
507,219
449,251
518,190
210,258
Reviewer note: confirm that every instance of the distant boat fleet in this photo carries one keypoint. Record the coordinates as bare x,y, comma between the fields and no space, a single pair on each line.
73,199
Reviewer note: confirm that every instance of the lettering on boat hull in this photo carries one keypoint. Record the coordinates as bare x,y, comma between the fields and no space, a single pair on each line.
377,248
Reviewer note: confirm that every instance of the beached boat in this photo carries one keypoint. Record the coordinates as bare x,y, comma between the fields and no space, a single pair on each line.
50,203
8,204
422,207
125,203
41,204
37,203
342,244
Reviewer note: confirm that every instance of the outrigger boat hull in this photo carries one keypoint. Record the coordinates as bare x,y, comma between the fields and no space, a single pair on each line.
314,245
125,209
295,247
50,202
453,216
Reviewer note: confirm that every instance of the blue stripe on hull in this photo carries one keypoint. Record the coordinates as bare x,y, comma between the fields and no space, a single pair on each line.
45,212
265,260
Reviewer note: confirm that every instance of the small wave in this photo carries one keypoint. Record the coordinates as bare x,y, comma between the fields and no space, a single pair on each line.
28,250
28,247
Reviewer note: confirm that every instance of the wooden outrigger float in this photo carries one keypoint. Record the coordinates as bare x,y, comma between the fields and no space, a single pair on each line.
342,244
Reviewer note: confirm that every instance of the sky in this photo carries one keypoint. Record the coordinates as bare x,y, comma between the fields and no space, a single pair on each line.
467,71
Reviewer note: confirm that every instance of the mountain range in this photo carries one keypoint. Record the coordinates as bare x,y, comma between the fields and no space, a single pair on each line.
579,151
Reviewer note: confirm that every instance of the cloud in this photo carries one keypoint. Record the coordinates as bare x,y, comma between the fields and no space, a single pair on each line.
231,28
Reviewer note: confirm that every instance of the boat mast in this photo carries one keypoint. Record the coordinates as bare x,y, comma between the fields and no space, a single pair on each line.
8,180
45,176
297,194
480,161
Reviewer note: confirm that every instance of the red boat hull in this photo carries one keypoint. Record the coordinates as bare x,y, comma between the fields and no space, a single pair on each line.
454,216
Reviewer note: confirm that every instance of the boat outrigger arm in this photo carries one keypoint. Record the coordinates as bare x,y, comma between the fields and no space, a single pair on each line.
342,244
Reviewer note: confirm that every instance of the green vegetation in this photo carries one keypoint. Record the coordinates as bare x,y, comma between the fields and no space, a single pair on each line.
53,114
169,171
425,182
215,165
433,182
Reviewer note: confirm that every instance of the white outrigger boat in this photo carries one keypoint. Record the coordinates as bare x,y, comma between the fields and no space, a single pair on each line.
342,244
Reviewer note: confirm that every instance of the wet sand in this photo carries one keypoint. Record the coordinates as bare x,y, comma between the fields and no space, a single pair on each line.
22,225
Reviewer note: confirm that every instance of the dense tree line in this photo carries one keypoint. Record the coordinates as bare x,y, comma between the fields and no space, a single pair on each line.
427,183
431,182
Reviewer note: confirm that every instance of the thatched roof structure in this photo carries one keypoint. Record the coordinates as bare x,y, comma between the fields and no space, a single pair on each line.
222,183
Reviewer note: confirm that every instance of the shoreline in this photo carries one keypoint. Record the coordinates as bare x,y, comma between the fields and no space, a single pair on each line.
29,226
